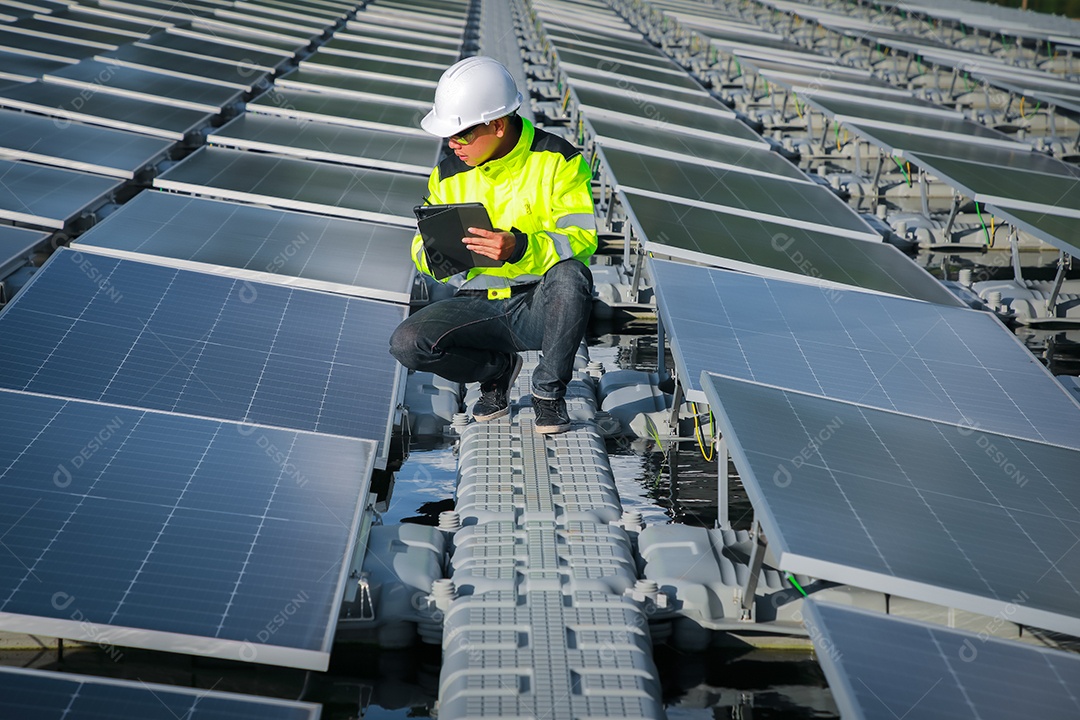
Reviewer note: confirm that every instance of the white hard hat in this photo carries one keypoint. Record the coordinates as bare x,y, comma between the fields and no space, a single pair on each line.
473,91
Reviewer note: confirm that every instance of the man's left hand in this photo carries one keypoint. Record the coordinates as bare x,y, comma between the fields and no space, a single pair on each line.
495,244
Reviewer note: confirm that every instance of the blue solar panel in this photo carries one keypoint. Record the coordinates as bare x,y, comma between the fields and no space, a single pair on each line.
149,529
44,694
883,668
130,333
944,513
922,359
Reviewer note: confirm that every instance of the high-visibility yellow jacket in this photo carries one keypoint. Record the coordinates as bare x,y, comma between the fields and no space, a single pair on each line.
540,190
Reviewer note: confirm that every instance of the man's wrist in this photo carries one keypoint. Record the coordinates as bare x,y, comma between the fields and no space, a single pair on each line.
521,244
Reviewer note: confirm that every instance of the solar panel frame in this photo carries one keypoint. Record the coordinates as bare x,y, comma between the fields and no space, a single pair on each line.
930,515
258,244
401,152
244,352
734,242
946,364
82,697
294,184
944,672
86,529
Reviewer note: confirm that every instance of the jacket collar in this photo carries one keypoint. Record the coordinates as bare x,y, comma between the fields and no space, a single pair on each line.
514,160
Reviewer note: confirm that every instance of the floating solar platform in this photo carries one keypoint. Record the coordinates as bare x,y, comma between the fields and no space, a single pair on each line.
187,45
46,48
944,364
44,694
953,515
880,666
16,246
142,57
259,244
202,344
69,104
294,184
740,156
108,79
776,199
425,75
371,89
176,533
338,110
50,197
99,150
403,152
764,248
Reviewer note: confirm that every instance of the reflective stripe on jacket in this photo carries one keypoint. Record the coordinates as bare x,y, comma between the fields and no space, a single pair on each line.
540,189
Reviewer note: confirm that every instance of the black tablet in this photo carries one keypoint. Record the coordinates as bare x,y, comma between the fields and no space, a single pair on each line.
442,227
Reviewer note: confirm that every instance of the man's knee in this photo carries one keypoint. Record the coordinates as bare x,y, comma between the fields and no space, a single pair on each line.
407,345
571,273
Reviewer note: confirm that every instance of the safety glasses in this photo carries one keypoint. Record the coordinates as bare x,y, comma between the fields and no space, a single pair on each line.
466,136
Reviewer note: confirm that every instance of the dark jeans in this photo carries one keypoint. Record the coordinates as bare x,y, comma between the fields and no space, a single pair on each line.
469,338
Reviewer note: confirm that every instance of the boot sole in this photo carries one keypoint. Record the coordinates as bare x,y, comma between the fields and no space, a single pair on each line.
551,429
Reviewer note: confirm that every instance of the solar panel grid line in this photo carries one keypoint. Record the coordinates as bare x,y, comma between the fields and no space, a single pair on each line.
793,222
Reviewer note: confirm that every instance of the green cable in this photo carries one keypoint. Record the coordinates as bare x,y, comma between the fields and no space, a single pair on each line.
837,136
903,170
985,230
1037,104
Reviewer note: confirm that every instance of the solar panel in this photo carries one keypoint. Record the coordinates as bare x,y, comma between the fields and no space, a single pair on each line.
259,244
198,343
390,39
1061,231
47,48
954,515
251,33
154,530
16,246
576,64
359,193
680,147
50,197
190,46
46,27
763,248
769,198
104,151
586,54
24,68
425,75
44,694
943,363
1004,184
235,75
881,667
338,109
335,143
109,79
672,139
357,46
898,141
634,52
372,89
70,103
